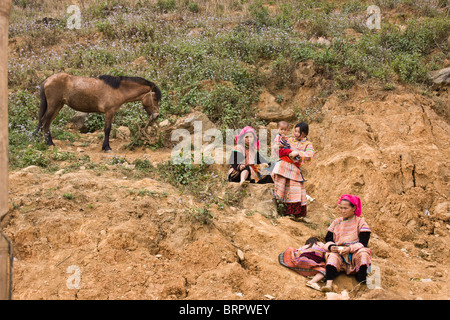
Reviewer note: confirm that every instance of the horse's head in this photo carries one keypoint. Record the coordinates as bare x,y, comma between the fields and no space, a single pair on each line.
150,102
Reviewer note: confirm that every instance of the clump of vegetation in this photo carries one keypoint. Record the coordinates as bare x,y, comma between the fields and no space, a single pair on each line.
183,174
203,215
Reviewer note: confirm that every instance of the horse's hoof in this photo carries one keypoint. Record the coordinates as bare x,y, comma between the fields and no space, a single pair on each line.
108,151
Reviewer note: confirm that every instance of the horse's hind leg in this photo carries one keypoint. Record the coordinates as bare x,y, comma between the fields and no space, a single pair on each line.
47,119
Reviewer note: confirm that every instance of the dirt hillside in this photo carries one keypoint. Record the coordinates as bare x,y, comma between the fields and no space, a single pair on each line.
135,237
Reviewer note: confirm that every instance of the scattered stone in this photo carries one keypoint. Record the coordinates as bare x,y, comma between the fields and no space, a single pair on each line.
164,123
31,169
123,133
441,77
338,296
321,40
240,255
79,121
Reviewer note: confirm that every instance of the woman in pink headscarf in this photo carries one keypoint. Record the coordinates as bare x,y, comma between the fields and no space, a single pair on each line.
245,159
346,243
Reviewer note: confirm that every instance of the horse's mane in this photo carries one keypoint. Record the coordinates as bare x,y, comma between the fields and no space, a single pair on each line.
114,81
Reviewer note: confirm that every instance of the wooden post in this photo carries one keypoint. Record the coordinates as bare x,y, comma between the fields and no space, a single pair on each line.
5,7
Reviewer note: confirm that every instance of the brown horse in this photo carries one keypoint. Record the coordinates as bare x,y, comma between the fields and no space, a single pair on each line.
104,94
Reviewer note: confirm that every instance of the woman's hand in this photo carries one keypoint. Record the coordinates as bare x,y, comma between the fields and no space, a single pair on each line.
344,251
334,249
293,154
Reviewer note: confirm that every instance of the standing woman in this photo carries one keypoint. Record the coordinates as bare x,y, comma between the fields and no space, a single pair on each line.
245,159
346,242
287,176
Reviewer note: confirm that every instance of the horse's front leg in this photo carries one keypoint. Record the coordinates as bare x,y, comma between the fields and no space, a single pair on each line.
108,123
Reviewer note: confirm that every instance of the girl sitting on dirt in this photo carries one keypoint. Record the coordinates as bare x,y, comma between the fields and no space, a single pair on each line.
287,176
245,159
308,260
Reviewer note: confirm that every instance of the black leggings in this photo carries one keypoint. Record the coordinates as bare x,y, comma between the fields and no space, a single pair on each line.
332,273
237,174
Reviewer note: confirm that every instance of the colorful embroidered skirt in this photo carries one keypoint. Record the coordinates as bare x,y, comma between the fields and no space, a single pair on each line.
350,264
288,190
302,265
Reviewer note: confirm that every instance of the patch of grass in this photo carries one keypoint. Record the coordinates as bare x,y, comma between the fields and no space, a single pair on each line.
183,175
143,165
203,216
68,196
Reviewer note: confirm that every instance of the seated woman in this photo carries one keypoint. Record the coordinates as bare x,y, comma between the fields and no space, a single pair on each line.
346,242
308,260
245,159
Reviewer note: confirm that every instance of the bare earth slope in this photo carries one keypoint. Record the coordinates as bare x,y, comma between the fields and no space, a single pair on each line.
133,238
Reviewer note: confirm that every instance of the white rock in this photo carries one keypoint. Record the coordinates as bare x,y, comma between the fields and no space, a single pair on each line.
240,255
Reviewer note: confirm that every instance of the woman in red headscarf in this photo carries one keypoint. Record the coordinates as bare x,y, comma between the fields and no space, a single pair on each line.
346,242
245,159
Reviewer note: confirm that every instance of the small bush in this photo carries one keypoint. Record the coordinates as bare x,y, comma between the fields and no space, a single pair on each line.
68,196
410,68
95,121
181,174
260,14
166,5
229,107
143,165
203,216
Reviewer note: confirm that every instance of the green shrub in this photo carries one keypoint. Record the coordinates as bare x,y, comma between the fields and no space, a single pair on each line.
182,174
95,121
143,165
410,68
68,196
260,14
30,157
166,5
203,216
420,36
229,107
282,70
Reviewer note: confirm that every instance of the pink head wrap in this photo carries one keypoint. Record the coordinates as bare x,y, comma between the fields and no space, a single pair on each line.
356,201
245,131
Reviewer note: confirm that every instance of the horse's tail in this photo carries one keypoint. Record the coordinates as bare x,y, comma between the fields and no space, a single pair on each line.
43,108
